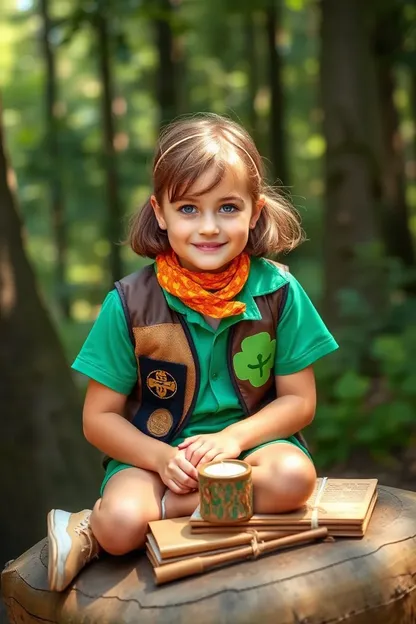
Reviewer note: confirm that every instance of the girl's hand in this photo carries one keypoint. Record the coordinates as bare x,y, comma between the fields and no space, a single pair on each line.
201,449
177,473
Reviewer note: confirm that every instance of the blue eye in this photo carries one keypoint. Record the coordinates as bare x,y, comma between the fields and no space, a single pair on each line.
187,209
228,208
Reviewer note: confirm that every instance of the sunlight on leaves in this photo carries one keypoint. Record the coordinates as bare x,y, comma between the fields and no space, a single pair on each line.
11,117
311,66
85,273
237,79
83,311
101,248
401,98
315,146
295,5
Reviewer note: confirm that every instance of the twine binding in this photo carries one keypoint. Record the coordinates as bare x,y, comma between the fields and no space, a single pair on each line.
315,509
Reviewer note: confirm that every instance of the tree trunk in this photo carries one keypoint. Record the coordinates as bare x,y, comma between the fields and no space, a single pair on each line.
114,214
277,112
252,70
167,72
44,460
395,213
54,167
395,218
182,89
351,129
413,112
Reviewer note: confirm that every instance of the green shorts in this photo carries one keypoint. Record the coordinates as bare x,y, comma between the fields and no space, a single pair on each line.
115,466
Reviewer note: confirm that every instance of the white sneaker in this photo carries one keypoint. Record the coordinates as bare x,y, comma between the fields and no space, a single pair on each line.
71,546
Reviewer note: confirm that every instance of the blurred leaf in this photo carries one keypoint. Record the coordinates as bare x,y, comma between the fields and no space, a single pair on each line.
351,386
408,386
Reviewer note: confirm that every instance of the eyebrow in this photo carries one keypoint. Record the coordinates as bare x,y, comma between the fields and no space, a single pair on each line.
221,199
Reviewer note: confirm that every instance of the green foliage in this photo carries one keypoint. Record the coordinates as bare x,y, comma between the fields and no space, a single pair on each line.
367,390
370,406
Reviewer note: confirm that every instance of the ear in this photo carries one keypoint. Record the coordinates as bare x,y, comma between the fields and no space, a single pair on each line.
257,208
158,212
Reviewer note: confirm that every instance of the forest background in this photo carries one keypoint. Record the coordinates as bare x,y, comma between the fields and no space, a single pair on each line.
327,89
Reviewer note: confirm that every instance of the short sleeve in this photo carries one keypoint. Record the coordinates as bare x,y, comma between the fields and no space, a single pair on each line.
302,336
107,355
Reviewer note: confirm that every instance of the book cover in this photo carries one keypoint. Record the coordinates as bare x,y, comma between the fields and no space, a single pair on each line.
173,537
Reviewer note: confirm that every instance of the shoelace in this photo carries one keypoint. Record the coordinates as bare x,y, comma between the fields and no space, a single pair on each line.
83,528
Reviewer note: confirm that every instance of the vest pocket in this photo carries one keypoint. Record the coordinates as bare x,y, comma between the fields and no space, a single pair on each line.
162,397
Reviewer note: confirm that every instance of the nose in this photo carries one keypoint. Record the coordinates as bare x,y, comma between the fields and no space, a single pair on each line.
208,225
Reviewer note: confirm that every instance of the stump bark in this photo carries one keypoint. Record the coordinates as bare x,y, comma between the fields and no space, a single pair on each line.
354,581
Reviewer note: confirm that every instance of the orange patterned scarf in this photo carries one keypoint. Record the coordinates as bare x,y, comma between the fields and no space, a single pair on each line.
194,288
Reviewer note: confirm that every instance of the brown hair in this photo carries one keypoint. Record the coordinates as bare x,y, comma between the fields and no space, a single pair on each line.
183,154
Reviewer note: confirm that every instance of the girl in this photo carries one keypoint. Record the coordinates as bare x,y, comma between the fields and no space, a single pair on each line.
205,354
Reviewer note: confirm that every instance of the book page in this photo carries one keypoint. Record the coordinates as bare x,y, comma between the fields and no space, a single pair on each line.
343,492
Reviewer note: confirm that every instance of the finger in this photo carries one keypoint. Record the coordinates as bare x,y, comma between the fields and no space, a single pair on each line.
187,442
192,448
201,452
174,487
182,477
183,490
186,466
220,456
211,455
177,488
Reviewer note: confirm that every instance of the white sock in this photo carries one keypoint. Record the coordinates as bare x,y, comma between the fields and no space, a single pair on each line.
163,505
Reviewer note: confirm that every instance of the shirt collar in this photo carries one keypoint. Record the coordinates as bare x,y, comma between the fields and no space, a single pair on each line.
265,277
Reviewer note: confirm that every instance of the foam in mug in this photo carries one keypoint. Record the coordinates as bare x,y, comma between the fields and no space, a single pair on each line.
225,491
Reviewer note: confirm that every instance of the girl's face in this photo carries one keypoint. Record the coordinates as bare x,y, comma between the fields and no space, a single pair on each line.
208,231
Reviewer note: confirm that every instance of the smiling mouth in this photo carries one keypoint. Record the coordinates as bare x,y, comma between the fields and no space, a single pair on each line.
209,246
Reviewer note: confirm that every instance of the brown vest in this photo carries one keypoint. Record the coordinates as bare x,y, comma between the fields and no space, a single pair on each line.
168,379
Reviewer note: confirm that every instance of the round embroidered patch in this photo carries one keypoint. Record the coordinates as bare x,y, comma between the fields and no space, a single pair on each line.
159,422
161,384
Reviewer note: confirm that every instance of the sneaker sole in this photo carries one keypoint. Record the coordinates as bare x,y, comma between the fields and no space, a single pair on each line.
59,541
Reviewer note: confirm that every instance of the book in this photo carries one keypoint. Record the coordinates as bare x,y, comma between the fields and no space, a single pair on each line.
198,564
172,540
153,553
344,506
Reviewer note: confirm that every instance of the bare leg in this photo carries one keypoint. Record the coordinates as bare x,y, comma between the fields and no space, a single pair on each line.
283,478
118,524
178,505
131,499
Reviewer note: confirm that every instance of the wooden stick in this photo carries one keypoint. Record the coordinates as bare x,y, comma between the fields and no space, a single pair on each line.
198,565
276,531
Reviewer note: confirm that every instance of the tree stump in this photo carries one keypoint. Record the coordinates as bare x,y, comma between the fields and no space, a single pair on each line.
354,581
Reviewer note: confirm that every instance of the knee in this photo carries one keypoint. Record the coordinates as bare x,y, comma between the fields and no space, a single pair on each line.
296,476
290,481
120,526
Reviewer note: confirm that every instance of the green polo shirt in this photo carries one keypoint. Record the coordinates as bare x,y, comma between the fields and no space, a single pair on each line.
107,355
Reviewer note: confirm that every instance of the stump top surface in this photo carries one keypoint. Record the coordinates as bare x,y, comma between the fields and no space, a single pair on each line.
322,582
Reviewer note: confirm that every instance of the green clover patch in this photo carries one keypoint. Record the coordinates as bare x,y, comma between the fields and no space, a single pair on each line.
256,359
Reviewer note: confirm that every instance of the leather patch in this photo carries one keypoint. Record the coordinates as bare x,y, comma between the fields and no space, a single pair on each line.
167,343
